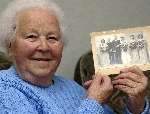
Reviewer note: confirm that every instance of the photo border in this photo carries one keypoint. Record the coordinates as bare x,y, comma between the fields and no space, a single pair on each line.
115,69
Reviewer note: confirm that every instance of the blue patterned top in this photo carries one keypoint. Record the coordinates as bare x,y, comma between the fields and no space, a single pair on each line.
63,97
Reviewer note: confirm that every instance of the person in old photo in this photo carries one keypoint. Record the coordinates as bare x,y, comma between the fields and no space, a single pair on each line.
125,54
142,49
114,50
133,48
104,56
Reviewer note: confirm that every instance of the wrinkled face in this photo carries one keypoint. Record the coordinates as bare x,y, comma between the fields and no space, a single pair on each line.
37,48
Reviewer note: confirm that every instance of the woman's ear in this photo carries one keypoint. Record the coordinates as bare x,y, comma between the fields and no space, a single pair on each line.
10,49
9,45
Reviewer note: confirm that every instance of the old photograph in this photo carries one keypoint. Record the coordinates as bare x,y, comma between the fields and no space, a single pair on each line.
121,48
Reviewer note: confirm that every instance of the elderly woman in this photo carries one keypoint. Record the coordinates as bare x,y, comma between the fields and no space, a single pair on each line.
31,36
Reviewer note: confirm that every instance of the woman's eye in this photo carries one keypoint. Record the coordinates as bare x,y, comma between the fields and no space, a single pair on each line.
52,38
31,37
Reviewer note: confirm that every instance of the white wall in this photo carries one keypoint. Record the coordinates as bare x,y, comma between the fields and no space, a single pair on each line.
85,16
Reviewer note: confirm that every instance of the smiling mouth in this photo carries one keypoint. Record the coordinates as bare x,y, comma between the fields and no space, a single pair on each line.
41,59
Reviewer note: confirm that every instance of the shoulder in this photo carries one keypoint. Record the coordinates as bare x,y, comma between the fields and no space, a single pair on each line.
6,84
12,98
13,101
4,76
9,71
2,72
63,80
69,84
8,76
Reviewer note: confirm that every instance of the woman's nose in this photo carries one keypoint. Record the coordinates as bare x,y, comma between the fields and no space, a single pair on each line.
44,46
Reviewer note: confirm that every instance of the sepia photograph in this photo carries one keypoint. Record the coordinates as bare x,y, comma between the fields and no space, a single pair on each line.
121,48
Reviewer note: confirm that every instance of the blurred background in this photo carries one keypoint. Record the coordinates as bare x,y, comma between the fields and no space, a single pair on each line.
85,16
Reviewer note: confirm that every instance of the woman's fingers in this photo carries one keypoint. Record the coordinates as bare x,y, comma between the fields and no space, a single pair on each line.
125,82
131,76
87,84
133,69
100,88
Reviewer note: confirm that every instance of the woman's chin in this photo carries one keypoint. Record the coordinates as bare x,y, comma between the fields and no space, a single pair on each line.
41,72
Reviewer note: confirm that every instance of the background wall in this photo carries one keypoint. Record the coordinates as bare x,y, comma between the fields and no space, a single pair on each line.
85,16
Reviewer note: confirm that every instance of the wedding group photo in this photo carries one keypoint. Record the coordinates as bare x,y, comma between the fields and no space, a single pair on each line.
128,48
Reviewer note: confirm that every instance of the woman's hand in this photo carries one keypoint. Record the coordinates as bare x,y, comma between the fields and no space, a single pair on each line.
133,82
100,88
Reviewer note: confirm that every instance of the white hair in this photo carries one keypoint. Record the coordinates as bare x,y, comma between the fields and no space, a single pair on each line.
8,18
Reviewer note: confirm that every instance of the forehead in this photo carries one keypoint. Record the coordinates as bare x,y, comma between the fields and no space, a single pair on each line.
40,19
